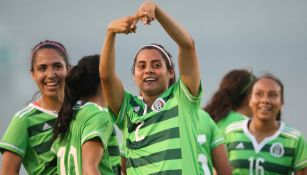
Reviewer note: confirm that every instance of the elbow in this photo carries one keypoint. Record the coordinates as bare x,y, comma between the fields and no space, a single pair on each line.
104,76
189,44
89,170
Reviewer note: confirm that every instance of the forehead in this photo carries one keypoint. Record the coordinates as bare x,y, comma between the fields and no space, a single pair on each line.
48,56
267,84
149,55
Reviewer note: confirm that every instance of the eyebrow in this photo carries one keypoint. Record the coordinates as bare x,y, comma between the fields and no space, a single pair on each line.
155,60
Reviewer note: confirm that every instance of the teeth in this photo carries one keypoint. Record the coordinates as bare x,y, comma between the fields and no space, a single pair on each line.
51,83
265,108
150,79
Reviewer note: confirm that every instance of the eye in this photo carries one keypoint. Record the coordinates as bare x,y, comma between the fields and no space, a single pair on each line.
156,65
258,94
41,68
140,66
273,95
58,66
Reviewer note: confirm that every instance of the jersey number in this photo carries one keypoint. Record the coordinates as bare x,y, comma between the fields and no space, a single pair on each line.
73,154
204,163
255,166
201,139
137,136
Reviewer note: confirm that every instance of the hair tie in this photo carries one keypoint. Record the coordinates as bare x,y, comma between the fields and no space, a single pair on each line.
52,43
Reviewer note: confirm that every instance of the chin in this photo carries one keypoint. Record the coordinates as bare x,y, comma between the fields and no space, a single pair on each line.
54,94
266,118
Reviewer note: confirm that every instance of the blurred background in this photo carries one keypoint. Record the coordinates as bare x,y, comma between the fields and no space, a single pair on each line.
261,35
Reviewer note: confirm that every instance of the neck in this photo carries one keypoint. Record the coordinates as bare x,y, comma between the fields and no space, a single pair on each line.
98,100
51,104
245,110
262,129
149,100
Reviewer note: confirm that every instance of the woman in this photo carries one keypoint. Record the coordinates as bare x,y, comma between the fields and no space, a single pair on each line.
230,102
160,125
263,144
83,128
28,137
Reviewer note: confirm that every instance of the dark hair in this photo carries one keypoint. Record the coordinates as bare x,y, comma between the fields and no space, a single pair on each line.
167,57
278,81
49,44
232,92
82,82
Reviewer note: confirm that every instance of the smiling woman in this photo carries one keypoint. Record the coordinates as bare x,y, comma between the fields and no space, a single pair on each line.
160,125
33,124
264,143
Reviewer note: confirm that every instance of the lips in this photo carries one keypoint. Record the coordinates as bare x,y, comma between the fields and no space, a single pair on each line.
149,79
51,85
265,109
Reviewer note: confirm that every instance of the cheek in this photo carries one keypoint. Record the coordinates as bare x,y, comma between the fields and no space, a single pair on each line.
252,103
62,74
37,77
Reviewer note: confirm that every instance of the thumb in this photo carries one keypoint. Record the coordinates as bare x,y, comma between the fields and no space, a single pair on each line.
133,24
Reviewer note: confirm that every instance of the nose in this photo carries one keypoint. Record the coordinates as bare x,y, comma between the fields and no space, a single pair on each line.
50,73
149,70
265,99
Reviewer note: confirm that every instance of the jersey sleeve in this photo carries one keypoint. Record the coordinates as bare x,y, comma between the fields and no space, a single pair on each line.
300,160
98,125
186,96
15,138
217,138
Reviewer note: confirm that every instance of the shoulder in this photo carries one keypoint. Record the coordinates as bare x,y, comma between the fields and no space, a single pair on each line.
25,112
236,116
290,132
205,117
92,111
92,107
235,126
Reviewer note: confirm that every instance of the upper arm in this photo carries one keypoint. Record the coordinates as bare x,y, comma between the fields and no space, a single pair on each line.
111,84
114,94
187,57
92,153
11,163
189,68
220,160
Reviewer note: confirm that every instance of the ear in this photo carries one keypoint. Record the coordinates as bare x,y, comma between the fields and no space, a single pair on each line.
133,78
68,67
32,74
172,73
249,100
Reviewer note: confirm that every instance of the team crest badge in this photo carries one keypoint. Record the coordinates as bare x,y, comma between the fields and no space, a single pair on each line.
136,108
277,150
158,105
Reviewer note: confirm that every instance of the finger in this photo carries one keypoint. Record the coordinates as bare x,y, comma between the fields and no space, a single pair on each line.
134,22
152,15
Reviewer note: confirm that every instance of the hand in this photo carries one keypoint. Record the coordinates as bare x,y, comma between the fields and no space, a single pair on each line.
146,12
123,25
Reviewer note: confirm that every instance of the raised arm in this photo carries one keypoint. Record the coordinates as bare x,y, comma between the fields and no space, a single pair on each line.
187,57
112,86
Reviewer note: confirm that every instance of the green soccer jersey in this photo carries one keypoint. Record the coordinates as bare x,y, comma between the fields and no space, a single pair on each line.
230,118
91,121
161,139
29,136
114,152
281,153
209,137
